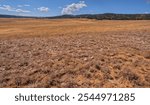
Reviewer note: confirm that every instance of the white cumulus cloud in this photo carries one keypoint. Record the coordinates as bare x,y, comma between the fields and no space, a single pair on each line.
9,8
70,9
21,10
25,5
43,9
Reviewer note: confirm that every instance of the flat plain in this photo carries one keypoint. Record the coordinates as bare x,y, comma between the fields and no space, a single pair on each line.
74,53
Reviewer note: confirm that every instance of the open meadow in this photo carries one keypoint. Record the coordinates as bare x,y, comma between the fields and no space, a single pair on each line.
69,53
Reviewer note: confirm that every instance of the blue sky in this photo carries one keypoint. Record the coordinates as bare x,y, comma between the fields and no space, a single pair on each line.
59,7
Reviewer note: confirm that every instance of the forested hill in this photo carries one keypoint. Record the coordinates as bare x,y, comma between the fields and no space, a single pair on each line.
106,16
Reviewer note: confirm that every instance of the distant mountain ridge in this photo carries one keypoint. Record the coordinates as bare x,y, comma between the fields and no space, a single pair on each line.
14,16
106,16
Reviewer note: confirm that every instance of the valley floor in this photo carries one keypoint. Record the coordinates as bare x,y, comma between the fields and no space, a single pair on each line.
74,53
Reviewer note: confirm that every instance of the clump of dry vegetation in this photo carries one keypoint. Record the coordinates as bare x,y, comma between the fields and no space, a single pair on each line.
74,53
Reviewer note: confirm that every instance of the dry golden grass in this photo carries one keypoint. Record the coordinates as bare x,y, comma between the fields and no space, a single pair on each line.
74,53
45,27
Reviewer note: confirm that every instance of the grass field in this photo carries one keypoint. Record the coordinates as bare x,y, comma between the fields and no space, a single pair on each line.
74,53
